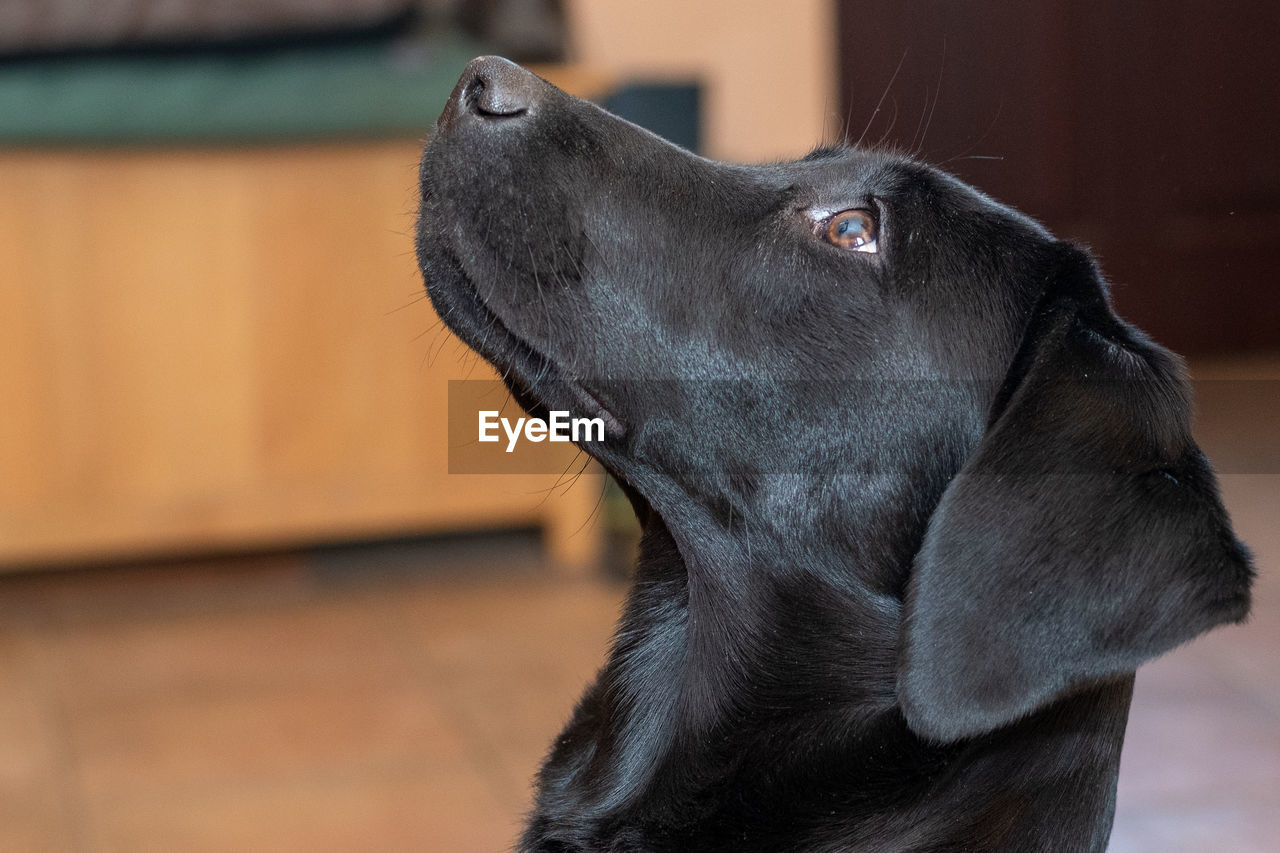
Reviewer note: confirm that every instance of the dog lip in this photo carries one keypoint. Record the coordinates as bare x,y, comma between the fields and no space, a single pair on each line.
544,370
590,402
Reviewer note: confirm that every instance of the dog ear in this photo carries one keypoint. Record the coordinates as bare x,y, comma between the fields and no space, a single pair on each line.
1083,536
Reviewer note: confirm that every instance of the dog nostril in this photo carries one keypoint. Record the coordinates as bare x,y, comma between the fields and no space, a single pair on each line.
499,89
472,94
491,88
486,99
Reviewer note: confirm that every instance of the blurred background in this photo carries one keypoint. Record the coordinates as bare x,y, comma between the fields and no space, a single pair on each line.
245,604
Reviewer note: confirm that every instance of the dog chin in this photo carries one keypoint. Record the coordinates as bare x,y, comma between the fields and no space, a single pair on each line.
538,383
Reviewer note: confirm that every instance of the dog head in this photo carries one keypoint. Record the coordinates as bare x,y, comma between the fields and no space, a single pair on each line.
860,359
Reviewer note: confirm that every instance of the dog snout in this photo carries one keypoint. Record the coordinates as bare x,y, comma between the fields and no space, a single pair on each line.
491,89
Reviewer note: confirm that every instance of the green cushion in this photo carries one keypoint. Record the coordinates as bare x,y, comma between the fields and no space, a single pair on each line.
363,90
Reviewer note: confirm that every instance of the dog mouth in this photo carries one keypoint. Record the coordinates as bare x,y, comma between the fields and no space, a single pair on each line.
537,381
591,405
541,385
487,244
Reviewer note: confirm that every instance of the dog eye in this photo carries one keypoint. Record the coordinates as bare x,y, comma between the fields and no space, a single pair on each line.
853,229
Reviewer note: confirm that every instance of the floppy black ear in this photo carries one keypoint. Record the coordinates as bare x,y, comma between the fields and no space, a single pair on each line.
1083,536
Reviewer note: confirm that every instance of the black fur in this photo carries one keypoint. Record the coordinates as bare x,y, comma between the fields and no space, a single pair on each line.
911,519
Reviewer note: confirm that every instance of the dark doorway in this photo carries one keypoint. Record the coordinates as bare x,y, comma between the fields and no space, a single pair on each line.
1149,131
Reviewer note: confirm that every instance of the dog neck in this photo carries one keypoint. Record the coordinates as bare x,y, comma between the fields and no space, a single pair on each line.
767,664
708,643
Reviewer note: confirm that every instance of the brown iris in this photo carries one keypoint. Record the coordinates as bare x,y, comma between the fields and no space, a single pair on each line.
851,229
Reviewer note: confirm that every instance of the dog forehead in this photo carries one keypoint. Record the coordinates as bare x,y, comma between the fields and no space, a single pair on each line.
838,175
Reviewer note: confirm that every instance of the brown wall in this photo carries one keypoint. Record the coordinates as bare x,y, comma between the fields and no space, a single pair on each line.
767,68
1148,130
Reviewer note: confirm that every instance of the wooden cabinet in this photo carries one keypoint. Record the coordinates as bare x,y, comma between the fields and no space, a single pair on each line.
228,349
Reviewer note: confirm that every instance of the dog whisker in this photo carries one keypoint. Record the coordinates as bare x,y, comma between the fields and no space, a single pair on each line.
880,103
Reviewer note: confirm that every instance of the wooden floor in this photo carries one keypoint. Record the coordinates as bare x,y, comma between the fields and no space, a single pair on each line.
392,699
398,698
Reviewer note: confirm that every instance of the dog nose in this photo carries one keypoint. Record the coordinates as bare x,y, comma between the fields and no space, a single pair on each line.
492,89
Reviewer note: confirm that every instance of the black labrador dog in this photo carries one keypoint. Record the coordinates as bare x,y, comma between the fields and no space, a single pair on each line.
916,503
